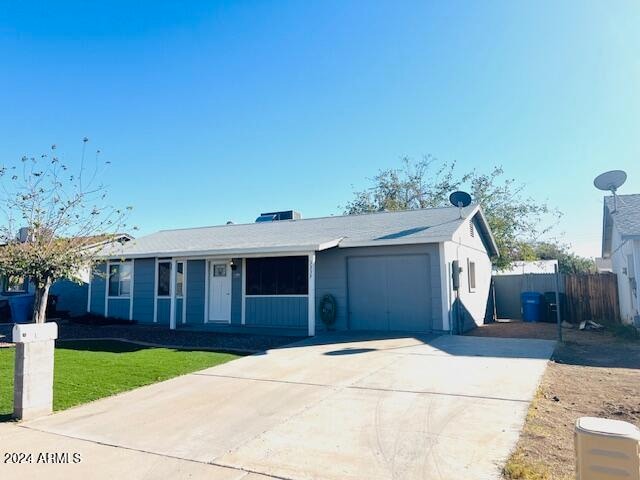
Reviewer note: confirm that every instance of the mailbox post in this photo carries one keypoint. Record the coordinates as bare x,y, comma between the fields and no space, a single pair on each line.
33,376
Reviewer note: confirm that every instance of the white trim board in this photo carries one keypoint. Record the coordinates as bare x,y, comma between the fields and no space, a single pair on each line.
173,272
311,288
184,291
298,250
243,305
132,291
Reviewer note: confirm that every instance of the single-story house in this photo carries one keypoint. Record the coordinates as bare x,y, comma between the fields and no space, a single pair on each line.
387,271
621,244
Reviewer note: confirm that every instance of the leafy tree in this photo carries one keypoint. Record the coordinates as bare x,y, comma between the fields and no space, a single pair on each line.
423,184
514,218
568,262
52,219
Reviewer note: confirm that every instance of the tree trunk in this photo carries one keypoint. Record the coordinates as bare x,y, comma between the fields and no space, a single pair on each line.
40,302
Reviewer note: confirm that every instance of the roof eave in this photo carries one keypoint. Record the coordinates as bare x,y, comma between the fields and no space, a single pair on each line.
401,241
493,246
226,252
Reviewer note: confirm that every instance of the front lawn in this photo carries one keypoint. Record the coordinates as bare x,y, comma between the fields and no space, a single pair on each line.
91,369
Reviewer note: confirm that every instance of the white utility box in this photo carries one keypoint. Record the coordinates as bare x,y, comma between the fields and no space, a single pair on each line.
33,373
34,332
606,449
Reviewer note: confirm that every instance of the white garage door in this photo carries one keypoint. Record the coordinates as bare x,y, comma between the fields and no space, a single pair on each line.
390,292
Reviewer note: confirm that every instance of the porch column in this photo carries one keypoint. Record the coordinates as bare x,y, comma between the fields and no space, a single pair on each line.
312,295
172,289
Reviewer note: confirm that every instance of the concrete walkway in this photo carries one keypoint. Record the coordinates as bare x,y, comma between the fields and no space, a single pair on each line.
333,407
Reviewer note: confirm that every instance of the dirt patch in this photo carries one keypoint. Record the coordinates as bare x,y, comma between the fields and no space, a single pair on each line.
592,374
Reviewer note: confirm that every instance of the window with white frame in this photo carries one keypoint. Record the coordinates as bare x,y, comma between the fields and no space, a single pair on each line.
180,279
472,275
120,279
277,276
164,279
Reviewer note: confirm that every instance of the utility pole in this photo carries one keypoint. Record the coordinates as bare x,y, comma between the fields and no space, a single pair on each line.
558,315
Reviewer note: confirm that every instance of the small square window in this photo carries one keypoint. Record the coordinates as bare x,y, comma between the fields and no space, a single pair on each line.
219,270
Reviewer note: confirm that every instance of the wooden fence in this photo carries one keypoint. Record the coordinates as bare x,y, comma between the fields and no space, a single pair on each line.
592,297
586,297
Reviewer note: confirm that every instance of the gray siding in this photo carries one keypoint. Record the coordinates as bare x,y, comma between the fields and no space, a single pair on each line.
119,308
236,293
98,286
195,291
143,285
72,297
164,311
276,311
331,277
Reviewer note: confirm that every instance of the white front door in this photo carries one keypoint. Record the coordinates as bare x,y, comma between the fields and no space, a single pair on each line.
220,291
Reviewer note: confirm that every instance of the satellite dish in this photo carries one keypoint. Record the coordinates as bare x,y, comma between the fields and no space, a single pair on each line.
611,181
460,199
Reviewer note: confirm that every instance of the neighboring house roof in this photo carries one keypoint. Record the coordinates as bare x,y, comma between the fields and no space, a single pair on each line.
91,241
95,240
626,219
531,266
314,234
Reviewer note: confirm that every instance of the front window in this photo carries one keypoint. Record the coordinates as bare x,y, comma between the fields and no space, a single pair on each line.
164,279
277,276
120,279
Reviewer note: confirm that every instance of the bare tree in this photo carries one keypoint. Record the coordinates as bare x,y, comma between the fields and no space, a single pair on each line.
53,218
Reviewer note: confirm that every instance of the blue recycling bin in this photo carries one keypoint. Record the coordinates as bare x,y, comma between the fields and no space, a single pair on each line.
532,305
21,308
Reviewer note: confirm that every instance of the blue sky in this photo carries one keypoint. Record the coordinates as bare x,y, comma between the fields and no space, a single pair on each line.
215,111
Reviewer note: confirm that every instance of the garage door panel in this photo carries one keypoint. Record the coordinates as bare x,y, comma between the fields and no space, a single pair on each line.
367,297
389,292
409,300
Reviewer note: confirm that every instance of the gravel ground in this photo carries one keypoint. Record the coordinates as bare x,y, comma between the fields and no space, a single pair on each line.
162,336
592,374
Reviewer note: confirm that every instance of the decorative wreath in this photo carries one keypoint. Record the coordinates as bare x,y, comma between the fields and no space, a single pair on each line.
328,309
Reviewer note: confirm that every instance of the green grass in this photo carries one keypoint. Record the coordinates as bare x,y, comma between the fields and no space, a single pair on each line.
88,370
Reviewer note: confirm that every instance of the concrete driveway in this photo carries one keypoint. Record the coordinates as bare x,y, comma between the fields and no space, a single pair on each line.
332,407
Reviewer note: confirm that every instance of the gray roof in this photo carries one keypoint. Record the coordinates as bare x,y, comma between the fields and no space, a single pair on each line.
304,235
626,218
627,215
